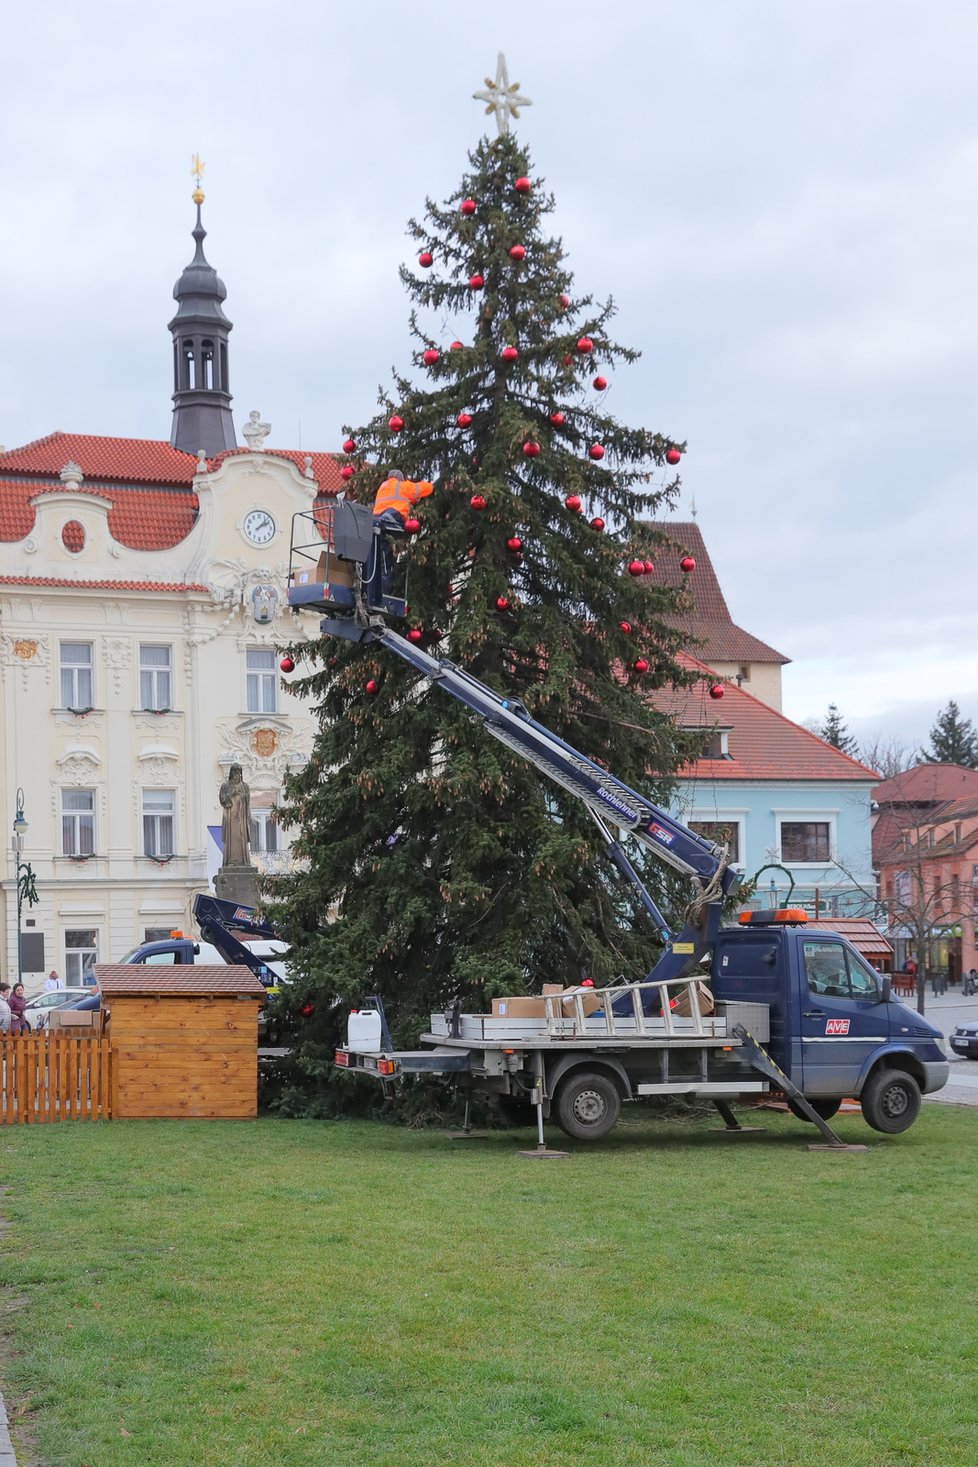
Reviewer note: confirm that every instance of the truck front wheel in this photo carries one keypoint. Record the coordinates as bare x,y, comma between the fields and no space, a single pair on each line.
588,1106
822,1107
890,1101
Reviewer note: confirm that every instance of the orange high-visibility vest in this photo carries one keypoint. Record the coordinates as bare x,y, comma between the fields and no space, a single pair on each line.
401,494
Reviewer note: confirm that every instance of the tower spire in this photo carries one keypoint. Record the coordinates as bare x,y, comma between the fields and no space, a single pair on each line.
201,397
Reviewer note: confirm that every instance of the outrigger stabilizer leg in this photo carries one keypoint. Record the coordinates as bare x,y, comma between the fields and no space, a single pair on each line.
760,1060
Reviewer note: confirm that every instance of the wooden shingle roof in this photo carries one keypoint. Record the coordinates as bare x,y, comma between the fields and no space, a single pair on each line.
197,980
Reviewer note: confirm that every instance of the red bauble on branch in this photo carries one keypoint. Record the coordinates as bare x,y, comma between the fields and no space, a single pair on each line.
478,501
467,207
502,603
509,354
514,543
429,357
557,419
597,523
395,424
349,446
563,301
673,455
464,420
585,345
426,259
346,472
717,690
687,564
415,634
517,252
596,451
531,449
456,346
371,686
640,665
411,526
649,567
636,567
573,503
522,185
287,665
625,626
476,282
600,383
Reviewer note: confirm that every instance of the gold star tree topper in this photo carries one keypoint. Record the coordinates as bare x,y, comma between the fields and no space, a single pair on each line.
501,98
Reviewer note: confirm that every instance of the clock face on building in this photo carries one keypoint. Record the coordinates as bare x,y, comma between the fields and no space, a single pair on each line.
259,526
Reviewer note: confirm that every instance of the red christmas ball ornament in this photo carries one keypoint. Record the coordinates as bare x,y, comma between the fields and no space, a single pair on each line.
640,665
478,501
412,526
429,357
349,445
371,686
625,626
517,252
415,634
509,354
557,419
456,346
687,564
636,567
426,259
585,345
597,523
435,634
531,449
395,424
522,185
717,690
573,503
287,665
567,361
502,603
464,420
673,455
563,301
476,282
346,472
467,207
596,451
600,383
514,543
649,567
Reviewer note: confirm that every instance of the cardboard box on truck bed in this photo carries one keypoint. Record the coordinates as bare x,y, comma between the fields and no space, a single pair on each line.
520,1007
704,998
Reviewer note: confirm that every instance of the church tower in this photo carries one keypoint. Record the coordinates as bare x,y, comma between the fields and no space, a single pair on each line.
201,399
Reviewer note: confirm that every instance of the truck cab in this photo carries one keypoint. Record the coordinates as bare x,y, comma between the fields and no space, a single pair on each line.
835,1029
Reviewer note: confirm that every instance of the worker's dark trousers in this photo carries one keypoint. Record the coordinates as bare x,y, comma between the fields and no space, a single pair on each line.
381,564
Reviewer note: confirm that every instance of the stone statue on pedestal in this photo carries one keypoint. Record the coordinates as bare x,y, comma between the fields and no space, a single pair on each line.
237,880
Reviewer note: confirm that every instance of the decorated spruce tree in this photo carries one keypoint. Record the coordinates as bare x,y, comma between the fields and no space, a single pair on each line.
432,861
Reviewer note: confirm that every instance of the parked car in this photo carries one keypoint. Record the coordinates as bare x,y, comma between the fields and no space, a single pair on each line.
39,1007
89,999
964,1039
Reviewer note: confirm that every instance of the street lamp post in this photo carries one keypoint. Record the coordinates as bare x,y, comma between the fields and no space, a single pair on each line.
25,879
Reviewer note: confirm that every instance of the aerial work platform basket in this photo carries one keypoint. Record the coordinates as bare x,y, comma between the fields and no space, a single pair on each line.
337,561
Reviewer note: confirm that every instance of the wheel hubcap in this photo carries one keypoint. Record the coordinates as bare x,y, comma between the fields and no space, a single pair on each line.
895,1101
589,1107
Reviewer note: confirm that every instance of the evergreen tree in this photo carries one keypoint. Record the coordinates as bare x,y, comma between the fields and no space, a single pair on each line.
835,732
433,861
952,740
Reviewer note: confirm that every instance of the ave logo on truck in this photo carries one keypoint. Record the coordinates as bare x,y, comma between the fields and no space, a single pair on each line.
837,1026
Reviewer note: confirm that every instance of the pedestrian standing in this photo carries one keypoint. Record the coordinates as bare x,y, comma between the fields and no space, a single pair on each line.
5,1014
52,981
18,1003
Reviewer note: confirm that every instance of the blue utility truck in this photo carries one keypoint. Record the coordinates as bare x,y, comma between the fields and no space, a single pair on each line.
769,1004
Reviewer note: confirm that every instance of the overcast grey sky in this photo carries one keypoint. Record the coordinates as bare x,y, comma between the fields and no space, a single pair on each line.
781,197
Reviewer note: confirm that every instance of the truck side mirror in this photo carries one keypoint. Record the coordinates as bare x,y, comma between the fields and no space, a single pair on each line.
886,982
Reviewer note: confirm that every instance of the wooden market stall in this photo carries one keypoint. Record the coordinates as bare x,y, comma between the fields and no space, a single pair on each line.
184,1039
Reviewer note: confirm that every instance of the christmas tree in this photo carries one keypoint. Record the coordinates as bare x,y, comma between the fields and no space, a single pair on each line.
835,732
432,861
952,740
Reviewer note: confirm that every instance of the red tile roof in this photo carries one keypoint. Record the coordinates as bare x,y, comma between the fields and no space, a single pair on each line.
861,932
763,744
196,980
714,636
155,517
927,784
83,585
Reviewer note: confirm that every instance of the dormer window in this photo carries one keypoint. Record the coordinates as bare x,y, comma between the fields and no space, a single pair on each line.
715,743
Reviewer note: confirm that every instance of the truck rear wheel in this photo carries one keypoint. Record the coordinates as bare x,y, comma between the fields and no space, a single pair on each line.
588,1105
890,1101
822,1107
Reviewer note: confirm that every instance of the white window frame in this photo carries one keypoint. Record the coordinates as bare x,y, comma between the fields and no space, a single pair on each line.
263,823
70,677
80,958
77,821
155,678
736,822
154,830
807,817
261,682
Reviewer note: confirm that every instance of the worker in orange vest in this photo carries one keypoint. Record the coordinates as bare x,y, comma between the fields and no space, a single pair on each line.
394,501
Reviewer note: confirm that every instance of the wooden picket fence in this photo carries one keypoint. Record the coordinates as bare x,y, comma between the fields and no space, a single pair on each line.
54,1076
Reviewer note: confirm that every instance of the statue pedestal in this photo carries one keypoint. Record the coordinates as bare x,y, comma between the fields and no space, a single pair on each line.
237,884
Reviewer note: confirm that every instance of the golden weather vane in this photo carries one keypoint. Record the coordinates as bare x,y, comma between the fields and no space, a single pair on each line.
197,171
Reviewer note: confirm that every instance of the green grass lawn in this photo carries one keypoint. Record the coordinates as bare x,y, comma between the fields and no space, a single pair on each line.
291,1292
